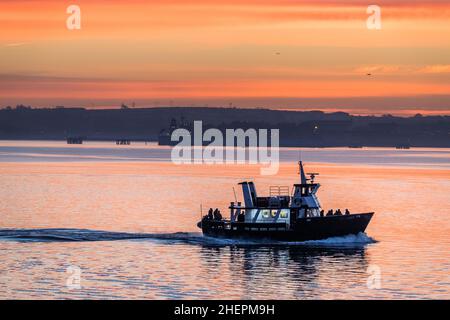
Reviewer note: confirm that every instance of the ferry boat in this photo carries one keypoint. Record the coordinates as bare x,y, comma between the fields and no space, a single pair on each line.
282,216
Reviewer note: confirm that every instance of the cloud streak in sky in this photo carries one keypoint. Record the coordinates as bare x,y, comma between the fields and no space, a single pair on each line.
232,50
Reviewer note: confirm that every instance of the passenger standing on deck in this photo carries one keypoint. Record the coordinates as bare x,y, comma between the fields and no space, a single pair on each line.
347,212
210,214
338,212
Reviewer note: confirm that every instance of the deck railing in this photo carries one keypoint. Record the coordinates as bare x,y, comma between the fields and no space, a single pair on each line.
279,191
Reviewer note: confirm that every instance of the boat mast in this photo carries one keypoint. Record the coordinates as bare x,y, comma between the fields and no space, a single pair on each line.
303,179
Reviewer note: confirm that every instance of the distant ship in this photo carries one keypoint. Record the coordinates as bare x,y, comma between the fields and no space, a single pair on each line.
283,217
403,146
74,140
123,142
164,137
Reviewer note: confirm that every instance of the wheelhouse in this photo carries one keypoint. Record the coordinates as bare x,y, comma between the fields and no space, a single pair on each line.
281,206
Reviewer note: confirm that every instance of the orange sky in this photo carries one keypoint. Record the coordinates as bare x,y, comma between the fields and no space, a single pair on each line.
260,53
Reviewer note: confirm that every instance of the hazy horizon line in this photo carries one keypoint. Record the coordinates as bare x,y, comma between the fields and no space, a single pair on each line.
411,113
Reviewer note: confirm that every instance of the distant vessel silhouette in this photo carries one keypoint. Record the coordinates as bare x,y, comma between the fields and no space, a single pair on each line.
123,142
164,137
403,146
74,140
283,217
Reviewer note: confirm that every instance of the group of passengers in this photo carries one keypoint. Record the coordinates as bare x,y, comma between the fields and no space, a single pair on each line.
217,216
337,213
214,214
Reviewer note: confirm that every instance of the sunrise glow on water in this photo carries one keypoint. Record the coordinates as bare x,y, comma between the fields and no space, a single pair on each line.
163,254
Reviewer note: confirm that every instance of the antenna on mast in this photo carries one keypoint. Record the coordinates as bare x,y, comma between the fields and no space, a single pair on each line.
312,176
235,198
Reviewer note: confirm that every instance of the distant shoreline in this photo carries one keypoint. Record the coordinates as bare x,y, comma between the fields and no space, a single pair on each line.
155,142
297,128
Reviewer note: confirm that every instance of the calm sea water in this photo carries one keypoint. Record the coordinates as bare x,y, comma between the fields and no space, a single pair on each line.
125,217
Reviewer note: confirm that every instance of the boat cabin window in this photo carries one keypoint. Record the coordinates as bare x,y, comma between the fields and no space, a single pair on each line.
284,213
304,191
